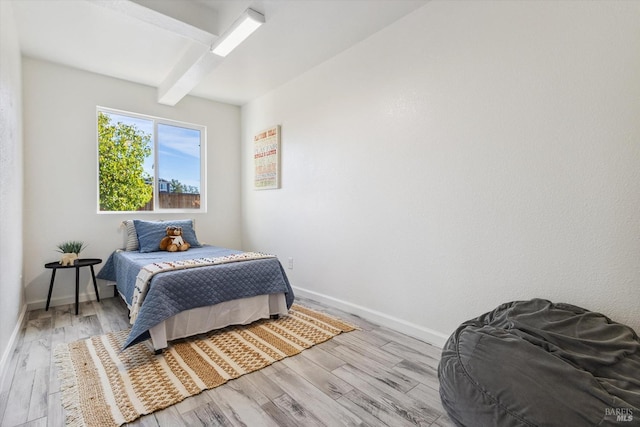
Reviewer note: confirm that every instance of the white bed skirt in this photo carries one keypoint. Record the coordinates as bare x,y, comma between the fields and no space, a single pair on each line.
204,319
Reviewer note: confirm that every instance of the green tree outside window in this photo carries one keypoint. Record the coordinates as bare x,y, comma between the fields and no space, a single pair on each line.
122,150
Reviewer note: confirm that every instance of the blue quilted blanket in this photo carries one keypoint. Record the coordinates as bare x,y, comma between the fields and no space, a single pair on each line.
174,291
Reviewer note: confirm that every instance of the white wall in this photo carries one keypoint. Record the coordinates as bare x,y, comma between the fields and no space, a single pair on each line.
11,190
472,153
61,170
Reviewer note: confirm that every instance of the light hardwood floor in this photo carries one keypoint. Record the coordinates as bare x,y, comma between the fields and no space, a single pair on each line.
374,376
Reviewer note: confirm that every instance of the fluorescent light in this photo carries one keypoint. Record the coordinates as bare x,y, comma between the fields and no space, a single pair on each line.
242,28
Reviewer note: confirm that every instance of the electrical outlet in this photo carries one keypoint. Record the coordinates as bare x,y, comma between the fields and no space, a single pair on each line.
290,263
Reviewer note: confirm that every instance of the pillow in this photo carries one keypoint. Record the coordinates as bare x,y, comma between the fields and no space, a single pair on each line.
132,237
151,232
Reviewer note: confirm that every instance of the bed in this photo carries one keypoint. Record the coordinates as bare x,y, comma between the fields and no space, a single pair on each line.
195,291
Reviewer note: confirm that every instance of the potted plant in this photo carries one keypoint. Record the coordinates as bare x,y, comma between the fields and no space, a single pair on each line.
70,251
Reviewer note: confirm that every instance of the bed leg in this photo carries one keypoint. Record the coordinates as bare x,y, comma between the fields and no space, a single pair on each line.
274,316
158,351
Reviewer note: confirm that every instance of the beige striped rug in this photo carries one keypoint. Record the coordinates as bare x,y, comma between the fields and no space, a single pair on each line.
102,386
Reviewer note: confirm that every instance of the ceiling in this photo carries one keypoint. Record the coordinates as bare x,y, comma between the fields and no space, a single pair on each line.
165,43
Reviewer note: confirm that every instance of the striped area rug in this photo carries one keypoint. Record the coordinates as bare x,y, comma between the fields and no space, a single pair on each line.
102,386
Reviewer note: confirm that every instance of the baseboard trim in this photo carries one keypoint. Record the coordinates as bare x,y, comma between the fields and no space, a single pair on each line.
420,332
38,304
6,356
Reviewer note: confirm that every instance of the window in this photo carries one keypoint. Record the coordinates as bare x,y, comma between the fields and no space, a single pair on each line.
149,164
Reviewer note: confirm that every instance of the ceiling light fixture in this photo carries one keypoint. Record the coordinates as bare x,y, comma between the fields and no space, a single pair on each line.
242,28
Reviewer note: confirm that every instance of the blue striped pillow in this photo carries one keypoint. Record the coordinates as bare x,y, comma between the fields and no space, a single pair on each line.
132,236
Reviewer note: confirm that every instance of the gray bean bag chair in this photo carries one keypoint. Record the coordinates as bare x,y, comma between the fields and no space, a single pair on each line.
536,363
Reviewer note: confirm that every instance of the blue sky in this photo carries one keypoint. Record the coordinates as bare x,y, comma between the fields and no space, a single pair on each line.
179,154
178,150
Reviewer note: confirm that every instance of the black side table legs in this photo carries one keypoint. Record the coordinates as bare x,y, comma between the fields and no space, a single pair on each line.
53,276
77,287
79,263
95,285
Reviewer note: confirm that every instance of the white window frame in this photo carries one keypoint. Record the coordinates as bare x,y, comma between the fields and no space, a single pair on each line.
156,198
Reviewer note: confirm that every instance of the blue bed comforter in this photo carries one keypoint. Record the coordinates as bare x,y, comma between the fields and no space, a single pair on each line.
178,290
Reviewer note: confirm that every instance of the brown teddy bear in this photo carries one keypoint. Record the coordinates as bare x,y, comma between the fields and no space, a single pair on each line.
173,241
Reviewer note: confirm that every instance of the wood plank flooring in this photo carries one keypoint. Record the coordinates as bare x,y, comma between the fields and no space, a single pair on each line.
371,377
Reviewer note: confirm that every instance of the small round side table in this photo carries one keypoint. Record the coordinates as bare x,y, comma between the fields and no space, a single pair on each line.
81,262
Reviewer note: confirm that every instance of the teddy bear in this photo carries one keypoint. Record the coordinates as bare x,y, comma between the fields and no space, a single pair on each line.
173,241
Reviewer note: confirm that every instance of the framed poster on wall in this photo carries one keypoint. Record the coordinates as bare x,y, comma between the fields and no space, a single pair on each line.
266,159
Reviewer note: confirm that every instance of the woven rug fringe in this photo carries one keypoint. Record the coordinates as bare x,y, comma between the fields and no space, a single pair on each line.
68,385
